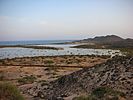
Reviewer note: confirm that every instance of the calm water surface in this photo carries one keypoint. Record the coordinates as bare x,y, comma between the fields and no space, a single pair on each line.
27,52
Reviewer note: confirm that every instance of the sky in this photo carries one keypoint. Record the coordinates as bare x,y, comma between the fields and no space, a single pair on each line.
64,19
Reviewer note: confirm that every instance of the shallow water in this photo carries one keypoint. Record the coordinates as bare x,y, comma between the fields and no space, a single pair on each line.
32,42
27,52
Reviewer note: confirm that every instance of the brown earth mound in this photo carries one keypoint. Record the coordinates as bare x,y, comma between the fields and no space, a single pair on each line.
116,74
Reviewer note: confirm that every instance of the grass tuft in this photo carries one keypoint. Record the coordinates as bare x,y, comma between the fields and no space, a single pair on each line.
9,92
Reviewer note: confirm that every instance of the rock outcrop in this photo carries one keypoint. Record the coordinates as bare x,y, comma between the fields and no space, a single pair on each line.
116,73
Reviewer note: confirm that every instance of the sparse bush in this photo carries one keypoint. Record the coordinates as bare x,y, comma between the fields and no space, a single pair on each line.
48,62
69,61
102,93
2,77
27,79
9,92
51,69
99,92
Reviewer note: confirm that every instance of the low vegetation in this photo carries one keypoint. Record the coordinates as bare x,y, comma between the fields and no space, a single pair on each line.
9,92
2,77
27,79
127,51
55,61
49,62
102,93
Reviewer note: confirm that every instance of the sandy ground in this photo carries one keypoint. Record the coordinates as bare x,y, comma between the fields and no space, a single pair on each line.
78,61
13,74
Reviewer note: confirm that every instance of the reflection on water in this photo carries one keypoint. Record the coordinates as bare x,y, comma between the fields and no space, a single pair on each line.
27,52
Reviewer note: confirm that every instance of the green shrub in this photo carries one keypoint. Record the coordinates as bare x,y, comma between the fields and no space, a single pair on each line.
102,93
9,92
99,92
48,62
27,79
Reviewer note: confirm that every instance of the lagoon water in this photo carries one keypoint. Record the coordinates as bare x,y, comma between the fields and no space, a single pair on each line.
27,52
13,52
32,42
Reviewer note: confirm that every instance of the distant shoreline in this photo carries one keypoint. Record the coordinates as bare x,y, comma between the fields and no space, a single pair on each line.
34,42
31,46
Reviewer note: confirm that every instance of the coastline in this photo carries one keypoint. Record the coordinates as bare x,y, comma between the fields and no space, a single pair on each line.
30,46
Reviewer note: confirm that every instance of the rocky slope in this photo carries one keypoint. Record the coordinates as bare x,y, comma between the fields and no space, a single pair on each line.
126,43
102,39
116,74
105,39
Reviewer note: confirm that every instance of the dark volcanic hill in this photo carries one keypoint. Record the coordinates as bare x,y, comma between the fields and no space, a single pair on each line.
124,43
108,42
104,39
116,74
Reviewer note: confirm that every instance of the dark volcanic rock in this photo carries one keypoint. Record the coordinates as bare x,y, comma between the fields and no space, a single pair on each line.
116,74
104,39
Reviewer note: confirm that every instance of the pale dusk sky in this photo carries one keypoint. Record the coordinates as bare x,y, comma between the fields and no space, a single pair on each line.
64,19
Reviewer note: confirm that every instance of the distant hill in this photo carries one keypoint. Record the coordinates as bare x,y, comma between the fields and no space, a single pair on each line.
104,39
124,43
109,42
